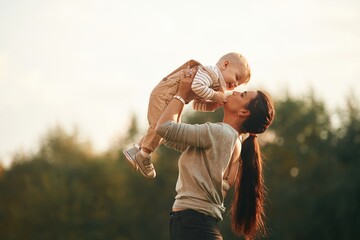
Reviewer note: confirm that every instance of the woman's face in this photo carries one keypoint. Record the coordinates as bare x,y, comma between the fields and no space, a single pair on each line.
239,100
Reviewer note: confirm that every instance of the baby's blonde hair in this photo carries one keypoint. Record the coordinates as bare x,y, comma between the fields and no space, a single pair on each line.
236,57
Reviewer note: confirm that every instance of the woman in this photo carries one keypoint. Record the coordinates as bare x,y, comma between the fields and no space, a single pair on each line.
214,152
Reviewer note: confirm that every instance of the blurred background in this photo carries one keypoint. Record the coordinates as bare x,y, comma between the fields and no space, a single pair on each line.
75,77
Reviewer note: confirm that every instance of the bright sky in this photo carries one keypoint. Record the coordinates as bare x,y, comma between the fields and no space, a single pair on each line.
92,63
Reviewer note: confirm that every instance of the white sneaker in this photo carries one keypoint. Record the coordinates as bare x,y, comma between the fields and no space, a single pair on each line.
145,165
130,154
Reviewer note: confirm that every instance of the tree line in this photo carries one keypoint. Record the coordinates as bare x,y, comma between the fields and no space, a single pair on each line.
65,190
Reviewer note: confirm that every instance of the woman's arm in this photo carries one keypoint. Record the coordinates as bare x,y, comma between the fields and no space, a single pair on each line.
175,145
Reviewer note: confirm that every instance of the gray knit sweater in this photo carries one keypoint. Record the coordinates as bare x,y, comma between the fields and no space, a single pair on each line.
202,164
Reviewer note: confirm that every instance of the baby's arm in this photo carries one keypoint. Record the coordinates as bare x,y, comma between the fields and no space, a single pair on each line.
219,97
206,106
201,85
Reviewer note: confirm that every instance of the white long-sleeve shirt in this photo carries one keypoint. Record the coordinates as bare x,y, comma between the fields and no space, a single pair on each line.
203,85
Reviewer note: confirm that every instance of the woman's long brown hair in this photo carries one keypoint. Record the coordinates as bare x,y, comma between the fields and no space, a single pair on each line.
247,209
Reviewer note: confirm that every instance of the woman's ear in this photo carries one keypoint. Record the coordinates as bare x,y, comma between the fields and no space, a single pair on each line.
244,113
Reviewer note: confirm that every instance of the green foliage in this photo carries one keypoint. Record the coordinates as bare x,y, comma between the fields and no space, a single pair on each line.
203,117
66,191
309,186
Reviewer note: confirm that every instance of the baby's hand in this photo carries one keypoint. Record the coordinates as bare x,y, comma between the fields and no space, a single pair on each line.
219,97
231,86
212,106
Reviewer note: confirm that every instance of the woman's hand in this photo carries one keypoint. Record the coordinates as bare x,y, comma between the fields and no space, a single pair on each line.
185,91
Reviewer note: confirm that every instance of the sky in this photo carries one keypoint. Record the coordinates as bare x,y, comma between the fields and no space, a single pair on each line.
91,64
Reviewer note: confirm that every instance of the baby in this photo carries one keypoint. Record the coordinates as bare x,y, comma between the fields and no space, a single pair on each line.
209,84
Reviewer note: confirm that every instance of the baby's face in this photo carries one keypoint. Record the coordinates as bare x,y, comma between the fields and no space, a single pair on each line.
234,75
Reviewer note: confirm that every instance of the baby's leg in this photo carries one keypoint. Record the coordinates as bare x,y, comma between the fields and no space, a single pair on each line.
151,140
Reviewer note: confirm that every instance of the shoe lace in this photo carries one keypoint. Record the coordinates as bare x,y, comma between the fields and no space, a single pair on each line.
148,165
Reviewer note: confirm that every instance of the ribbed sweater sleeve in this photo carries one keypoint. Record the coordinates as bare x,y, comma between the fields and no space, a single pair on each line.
185,134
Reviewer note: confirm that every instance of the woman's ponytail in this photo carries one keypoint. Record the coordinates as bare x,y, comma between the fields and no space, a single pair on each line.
247,209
